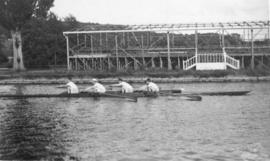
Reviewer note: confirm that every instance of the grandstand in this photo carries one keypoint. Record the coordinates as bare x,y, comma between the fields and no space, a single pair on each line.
200,46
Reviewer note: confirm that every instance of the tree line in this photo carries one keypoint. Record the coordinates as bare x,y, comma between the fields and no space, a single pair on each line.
36,33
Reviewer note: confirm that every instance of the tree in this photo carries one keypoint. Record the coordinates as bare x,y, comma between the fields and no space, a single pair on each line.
71,22
14,14
44,41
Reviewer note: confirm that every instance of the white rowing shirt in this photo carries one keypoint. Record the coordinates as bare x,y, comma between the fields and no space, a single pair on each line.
126,88
97,87
152,87
72,88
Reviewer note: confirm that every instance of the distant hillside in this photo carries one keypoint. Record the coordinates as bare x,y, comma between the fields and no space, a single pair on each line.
96,26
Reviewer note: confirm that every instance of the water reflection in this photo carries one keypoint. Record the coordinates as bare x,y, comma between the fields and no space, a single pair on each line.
28,134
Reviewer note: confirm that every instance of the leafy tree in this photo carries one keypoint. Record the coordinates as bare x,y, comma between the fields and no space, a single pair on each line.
71,22
44,43
14,14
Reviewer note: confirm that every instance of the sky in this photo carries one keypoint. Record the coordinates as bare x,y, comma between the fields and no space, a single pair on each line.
162,11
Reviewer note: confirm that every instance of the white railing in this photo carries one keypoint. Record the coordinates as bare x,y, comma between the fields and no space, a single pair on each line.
210,58
233,63
189,63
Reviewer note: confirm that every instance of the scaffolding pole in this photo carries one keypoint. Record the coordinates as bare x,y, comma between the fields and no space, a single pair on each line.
252,49
116,53
67,41
169,51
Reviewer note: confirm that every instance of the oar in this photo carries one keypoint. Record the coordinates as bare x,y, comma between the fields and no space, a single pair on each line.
193,97
131,98
189,97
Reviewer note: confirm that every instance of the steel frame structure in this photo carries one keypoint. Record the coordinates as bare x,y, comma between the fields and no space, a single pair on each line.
103,47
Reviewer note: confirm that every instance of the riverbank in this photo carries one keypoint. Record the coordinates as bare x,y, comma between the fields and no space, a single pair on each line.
159,76
136,80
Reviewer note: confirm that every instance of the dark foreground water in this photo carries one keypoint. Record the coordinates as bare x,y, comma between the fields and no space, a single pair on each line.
219,128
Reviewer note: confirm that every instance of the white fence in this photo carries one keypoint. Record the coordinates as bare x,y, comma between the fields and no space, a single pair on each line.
210,59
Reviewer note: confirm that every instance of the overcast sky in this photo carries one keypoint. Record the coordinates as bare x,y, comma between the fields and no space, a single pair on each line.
162,11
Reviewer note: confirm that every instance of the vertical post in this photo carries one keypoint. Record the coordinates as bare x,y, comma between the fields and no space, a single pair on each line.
109,63
85,39
223,41
92,47
116,53
243,62
92,63
223,48
268,28
153,62
78,40
135,64
252,49
76,63
196,46
124,40
106,41
100,42
128,40
143,59
84,64
161,63
169,51
178,62
244,34
148,39
172,40
142,46
126,63
67,41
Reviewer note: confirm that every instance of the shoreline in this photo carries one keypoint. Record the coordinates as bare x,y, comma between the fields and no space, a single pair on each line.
227,79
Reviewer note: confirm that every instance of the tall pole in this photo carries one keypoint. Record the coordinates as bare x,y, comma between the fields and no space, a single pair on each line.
252,49
223,41
85,39
223,46
116,52
67,41
196,45
268,29
92,47
100,42
78,40
169,51
142,46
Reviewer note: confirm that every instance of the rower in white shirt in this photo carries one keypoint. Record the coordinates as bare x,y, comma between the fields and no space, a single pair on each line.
96,88
150,86
72,88
125,87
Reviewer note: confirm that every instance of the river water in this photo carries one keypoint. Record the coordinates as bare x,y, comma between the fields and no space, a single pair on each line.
218,128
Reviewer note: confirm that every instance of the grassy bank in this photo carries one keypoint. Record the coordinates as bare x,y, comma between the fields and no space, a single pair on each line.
154,73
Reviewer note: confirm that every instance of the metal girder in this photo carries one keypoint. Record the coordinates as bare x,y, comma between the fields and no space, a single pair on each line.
173,27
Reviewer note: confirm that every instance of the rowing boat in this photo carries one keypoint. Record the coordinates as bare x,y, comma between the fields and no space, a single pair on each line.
134,96
111,94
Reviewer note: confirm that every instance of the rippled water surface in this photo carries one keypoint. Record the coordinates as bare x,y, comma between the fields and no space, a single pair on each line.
219,128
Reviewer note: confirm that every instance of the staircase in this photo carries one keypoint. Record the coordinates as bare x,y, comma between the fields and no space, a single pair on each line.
189,63
233,63
211,61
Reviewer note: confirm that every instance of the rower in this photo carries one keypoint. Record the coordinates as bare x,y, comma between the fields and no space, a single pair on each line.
125,87
150,86
96,88
72,88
